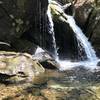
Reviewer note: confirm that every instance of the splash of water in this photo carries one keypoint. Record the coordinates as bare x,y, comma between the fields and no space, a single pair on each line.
92,59
39,50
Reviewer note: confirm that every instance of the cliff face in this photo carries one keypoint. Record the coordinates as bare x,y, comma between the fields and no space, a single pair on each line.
13,18
93,27
27,19
16,17
39,30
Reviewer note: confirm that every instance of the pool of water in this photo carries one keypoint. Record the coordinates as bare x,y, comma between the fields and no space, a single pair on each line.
76,84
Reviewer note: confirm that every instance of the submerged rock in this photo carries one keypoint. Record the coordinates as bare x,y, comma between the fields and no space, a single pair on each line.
18,67
72,93
78,84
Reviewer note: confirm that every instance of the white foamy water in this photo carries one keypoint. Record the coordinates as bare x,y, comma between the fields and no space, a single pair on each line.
68,65
92,59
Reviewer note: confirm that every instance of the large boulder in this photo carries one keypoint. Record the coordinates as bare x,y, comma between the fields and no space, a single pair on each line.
18,67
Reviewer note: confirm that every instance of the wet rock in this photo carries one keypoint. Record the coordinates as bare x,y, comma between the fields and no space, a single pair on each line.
62,92
23,45
54,73
93,30
43,56
98,64
46,60
17,67
49,64
82,11
52,94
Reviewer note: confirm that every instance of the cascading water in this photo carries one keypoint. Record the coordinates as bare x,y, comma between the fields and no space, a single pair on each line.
90,53
51,31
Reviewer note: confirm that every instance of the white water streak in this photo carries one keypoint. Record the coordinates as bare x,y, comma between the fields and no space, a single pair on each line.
52,30
90,53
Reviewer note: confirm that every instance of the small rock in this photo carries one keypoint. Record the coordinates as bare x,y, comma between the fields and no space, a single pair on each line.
49,64
46,60
42,56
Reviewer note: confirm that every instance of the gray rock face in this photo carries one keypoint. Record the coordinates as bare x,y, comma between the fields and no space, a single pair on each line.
93,27
13,19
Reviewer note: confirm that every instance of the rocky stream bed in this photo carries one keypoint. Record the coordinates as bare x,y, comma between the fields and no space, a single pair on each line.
22,77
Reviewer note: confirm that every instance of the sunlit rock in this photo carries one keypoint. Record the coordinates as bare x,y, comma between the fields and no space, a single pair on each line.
18,67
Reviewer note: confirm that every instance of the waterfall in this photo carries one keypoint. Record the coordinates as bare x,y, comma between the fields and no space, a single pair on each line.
90,53
51,31
92,59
